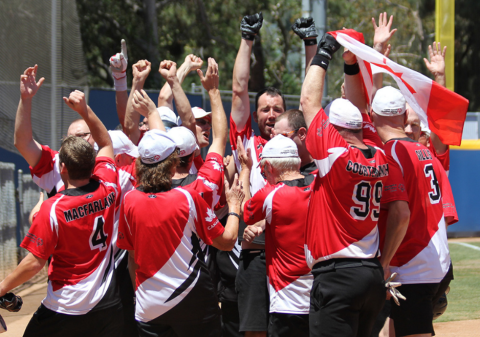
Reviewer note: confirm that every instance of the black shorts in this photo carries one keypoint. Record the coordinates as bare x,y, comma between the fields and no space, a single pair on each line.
251,286
346,297
288,325
230,320
414,316
106,323
126,294
209,328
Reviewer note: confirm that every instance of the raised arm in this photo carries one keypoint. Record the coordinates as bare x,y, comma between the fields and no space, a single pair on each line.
250,26
118,67
436,66
140,70
246,162
76,101
305,29
353,85
168,69
146,107
23,136
165,97
312,88
382,35
219,119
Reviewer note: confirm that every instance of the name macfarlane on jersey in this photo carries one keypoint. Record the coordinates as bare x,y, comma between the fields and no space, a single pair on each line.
91,207
367,171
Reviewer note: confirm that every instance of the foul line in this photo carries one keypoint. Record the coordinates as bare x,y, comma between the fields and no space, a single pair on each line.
466,245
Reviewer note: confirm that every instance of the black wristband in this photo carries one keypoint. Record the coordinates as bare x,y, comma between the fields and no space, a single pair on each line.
321,61
310,42
351,69
248,36
234,214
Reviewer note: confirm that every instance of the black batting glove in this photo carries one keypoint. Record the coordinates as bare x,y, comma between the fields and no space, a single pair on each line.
305,28
250,25
328,46
11,302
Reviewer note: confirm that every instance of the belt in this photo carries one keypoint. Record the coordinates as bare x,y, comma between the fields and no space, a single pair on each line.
333,264
252,252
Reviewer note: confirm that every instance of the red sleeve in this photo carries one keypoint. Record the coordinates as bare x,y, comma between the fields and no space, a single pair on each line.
370,135
322,136
212,170
46,173
125,226
234,133
254,211
42,236
449,209
198,162
207,225
443,158
105,170
395,187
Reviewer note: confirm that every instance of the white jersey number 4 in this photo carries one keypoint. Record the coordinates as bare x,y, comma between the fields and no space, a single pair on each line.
98,239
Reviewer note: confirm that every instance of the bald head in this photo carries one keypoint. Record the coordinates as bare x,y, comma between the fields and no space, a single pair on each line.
79,128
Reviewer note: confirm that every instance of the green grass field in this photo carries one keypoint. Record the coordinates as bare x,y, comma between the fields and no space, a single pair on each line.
464,296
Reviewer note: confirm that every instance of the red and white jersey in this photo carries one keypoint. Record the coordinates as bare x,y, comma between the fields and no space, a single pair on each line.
345,202
76,228
166,246
449,208
444,158
46,174
284,207
127,177
197,164
423,255
255,144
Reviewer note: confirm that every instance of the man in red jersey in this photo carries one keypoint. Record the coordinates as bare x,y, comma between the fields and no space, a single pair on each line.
422,259
283,203
76,228
341,232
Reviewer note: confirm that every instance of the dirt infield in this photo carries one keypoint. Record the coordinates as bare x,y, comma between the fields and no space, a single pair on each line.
457,328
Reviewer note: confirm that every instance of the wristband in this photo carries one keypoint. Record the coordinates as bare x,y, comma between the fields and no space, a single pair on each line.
351,69
310,42
234,214
321,61
120,84
248,36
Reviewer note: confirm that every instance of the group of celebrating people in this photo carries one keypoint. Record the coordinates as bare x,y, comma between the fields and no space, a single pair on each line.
311,228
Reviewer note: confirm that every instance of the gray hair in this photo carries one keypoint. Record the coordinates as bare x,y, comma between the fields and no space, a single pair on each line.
283,164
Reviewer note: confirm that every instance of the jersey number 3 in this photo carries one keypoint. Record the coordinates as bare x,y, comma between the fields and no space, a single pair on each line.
363,192
98,239
435,194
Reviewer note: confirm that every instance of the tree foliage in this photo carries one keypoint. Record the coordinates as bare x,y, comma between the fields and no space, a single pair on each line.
211,29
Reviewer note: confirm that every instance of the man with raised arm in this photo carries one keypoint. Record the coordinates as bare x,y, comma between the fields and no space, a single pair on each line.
42,160
76,228
341,237
118,67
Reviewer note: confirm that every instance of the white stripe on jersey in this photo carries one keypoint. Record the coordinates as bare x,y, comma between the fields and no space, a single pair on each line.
431,264
53,215
214,188
153,293
268,203
325,165
366,248
294,298
394,155
51,179
80,298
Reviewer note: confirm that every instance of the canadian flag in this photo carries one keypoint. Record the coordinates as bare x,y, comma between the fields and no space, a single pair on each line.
441,109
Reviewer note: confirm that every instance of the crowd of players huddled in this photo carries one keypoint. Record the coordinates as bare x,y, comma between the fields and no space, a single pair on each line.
324,224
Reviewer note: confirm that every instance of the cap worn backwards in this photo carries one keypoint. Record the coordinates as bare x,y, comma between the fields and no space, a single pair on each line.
168,117
185,140
155,146
280,147
343,113
388,102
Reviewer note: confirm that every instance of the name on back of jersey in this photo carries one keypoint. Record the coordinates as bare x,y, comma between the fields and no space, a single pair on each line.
89,208
367,171
423,154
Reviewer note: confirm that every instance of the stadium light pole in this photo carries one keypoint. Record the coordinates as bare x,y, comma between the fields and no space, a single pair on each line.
53,75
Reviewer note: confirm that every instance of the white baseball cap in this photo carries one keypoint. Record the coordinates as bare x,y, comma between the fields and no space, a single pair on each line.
168,117
280,147
343,113
185,140
388,102
199,112
155,146
121,144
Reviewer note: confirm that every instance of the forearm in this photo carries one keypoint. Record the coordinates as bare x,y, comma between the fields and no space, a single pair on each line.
132,118
310,52
354,91
121,100
245,180
132,268
98,130
312,93
397,225
23,135
219,123
165,97
154,121
439,147
241,75
184,108
28,268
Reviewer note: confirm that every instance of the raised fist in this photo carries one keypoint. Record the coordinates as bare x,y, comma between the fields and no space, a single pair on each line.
250,25
76,101
193,62
305,28
328,46
168,70
141,69
119,62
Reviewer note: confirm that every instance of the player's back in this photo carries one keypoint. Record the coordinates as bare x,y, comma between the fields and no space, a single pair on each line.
423,256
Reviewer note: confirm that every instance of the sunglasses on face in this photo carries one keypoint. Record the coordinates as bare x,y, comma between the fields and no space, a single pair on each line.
202,122
286,134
